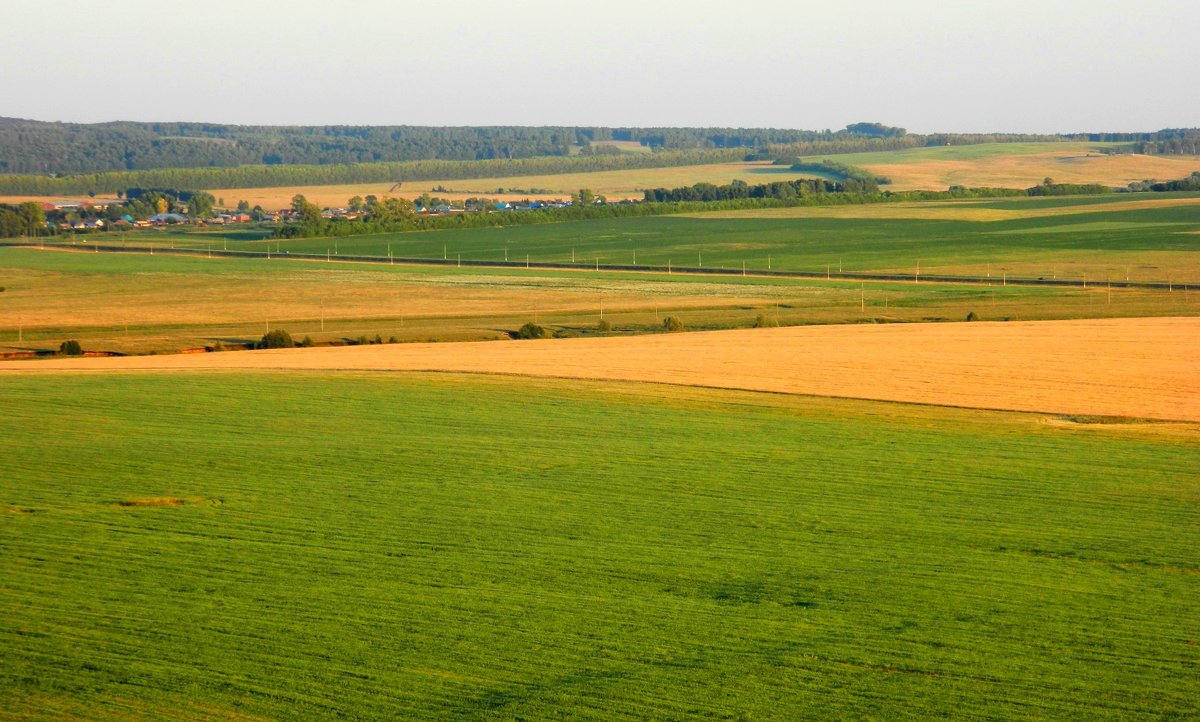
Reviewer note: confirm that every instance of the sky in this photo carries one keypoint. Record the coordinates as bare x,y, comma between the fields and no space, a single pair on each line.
1025,66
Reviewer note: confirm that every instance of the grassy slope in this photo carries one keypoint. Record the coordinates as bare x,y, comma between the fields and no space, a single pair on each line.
1152,242
421,547
978,151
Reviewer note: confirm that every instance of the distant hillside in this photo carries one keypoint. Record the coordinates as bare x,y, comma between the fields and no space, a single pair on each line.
40,148
35,147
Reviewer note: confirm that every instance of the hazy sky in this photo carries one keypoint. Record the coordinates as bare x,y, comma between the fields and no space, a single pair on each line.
1017,65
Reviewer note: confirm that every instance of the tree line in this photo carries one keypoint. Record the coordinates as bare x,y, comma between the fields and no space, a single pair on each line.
35,147
266,176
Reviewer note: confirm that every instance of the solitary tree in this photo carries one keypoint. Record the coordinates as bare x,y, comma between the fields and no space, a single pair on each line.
276,339
70,348
533,330
672,324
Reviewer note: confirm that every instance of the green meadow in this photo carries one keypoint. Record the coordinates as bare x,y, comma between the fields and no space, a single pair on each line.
396,546
1141,243
977,151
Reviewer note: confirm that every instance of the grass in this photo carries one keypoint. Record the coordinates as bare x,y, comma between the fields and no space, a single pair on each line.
431,547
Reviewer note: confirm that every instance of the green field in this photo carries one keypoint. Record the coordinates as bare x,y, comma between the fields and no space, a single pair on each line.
138,303
976,151
300,546
1141,243
143,302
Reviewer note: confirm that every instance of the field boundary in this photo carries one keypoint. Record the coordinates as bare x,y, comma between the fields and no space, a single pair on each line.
625,268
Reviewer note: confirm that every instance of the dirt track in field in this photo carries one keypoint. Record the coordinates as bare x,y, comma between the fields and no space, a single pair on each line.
1113,367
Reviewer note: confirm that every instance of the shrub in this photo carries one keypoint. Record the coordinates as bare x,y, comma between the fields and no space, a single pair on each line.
218,346
604,326
764,321
276,339
672,324
378,339
532,330
70,348
972,317
393,339
306,342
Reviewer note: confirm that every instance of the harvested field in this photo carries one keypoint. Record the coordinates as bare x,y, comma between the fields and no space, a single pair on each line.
1143,368
615,185
1023,171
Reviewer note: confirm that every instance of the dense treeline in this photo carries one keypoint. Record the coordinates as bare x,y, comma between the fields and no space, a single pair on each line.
26,219
866,180
780,190
1068,189
34,147
1174,142
1191,183
292,175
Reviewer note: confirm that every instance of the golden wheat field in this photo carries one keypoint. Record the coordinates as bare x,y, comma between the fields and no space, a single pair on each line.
1135,367
1023,171
614,184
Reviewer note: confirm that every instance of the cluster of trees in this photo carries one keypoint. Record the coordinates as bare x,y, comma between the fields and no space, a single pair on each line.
1173,142
1191,183
779,190
261,176
25,219
864,179
1049,188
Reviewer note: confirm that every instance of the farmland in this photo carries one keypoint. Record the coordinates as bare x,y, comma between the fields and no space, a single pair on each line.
615,185
253,546
1004,165
1136,236
143,302
1135,367
140,302
1016,165
626,524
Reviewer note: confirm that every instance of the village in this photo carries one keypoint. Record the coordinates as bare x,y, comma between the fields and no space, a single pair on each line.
97,214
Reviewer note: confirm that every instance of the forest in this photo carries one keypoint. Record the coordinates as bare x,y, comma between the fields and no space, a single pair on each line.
266,176
42,148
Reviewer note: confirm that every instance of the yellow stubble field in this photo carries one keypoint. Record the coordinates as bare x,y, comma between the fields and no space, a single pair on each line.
1133,367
